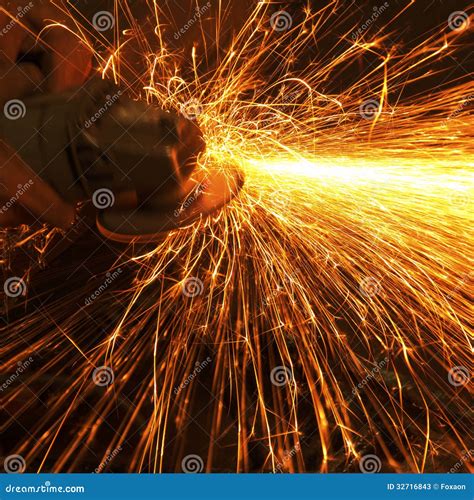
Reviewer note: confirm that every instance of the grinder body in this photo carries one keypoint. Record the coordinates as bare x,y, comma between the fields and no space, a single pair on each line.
97,139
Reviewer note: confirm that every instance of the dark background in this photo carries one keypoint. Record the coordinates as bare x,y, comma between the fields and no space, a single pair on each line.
404,32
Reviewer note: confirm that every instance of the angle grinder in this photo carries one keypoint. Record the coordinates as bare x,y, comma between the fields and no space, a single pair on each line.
135,162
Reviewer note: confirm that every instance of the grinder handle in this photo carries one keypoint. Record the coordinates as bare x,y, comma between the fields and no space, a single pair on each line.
25,198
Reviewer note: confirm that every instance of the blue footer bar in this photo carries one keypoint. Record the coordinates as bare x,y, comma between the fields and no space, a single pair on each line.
238,486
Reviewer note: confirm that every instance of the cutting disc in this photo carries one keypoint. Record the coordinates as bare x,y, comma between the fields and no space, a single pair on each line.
206,193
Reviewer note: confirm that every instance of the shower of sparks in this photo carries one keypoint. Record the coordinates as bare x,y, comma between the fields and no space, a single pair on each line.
333,297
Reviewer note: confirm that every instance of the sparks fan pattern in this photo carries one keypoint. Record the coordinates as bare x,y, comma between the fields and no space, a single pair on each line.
313,324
